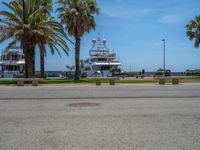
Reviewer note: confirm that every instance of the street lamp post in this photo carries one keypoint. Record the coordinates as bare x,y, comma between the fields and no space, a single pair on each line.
164,56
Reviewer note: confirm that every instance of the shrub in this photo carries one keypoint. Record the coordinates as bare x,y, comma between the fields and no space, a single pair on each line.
161,72
195,72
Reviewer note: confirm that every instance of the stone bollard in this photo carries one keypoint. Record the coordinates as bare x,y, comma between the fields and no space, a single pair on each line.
162,81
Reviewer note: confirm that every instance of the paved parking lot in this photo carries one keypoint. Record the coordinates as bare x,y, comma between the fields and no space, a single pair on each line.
87,117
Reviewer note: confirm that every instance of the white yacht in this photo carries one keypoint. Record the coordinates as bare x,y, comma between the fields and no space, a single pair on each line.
101,60
12,63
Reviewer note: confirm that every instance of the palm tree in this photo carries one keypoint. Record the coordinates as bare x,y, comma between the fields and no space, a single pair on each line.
19,23
193,31
45,41
51,37
48,5
34,29
13,25
78,17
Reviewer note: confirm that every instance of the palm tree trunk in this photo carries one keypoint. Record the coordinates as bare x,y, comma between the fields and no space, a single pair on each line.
29,61
42,72
26,60
77,57
33,62
32,49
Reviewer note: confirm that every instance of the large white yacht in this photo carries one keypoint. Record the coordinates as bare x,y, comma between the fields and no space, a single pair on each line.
12,63
101,60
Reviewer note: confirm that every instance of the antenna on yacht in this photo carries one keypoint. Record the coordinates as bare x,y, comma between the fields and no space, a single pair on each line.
99,43
94,41
104,44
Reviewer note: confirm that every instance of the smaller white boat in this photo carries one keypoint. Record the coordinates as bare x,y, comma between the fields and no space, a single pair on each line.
12,63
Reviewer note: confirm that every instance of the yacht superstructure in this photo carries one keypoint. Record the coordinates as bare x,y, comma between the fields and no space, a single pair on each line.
12,63
101,60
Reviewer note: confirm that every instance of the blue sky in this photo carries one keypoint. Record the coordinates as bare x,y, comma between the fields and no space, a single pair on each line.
135,29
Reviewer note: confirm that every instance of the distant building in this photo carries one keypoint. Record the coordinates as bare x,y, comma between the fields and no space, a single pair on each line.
101,60
12,63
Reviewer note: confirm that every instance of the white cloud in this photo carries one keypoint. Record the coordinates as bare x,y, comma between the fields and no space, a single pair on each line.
126,12
171,19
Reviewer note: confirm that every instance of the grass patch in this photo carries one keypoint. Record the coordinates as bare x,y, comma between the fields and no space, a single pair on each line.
82,81
136,81
86,80
192,78
64,80
7,82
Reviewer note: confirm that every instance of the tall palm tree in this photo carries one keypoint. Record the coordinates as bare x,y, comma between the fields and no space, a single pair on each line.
78,17
34,30
48,5
44,39
51,38
193,31
19,23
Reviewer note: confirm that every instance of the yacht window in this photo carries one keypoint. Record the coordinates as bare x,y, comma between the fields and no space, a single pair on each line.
101,59
105,68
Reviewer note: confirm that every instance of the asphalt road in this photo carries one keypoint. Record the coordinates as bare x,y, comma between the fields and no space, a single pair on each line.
87,117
